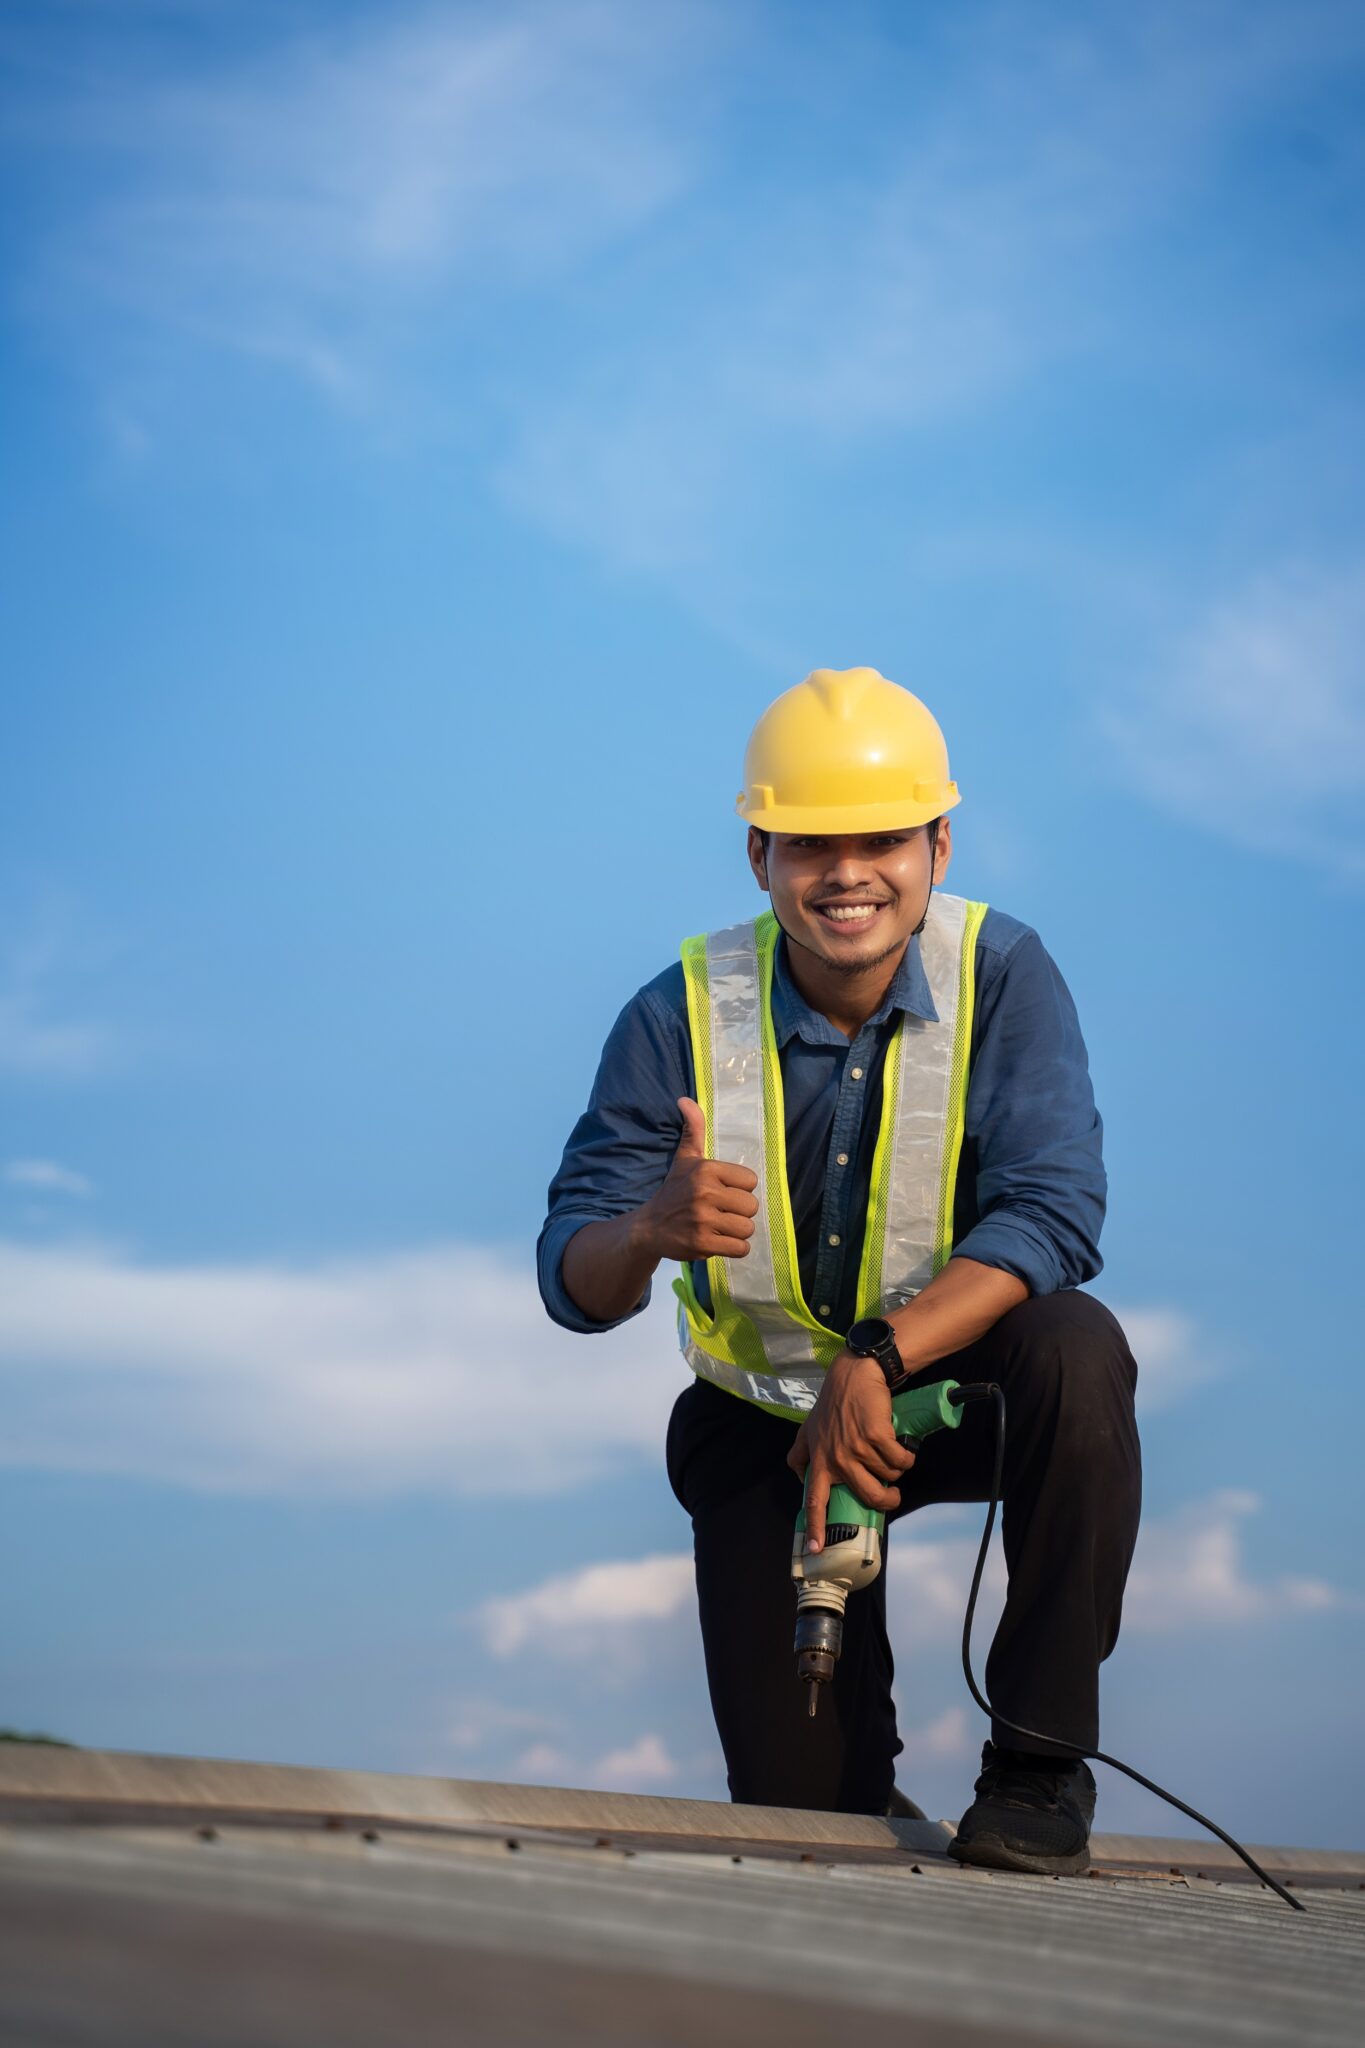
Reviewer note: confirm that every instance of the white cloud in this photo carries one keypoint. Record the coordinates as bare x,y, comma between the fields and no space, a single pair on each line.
47,1177
41,1047
1189,1568
1174,1356
942,1739
641,1764
544,1764
565,1614
43,952
983,240
1260,708
636,1766
1189,1571
423,1369
478,1722
290,204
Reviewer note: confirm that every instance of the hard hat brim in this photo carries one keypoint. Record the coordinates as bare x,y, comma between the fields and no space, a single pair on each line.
836,821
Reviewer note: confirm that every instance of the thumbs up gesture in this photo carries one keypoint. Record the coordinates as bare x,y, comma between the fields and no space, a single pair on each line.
705,1208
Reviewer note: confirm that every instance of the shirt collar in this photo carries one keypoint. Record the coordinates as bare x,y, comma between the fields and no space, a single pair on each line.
794,1017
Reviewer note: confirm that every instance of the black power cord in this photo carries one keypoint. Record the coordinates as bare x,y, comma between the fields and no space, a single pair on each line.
989,1391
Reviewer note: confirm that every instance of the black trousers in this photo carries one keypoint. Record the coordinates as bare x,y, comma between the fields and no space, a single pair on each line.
1071,1499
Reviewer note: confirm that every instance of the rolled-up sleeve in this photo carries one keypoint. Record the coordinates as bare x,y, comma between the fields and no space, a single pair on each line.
1033,1132
621,1148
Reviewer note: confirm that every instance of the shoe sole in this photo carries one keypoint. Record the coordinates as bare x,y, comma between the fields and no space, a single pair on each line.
985,1855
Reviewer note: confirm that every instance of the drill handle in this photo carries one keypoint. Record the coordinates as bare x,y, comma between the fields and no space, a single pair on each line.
919,1411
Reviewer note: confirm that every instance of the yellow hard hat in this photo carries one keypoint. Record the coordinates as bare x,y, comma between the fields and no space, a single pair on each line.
845,751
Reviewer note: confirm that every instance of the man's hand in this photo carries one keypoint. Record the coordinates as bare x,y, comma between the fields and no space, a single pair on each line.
849,1436
706,1208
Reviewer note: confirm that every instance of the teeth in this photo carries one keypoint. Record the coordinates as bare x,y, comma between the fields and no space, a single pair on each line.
850,913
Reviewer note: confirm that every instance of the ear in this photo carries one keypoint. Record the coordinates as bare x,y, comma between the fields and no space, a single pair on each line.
758,858
943,848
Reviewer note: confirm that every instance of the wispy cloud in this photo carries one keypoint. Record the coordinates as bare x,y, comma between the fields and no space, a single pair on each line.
368,1375
479,1720
1190,1572
636,1767
987,239
946,1737
1189,1569
1174,1356
362,1376
642,1765
41,954
567,1614
46,1176
290,204
1260,708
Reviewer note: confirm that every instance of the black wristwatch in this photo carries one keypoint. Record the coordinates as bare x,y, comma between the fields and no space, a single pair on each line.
873,1337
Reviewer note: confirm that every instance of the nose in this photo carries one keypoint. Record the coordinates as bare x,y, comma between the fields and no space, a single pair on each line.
845,868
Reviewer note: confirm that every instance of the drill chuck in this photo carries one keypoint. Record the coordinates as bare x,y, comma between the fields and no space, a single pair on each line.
819,1639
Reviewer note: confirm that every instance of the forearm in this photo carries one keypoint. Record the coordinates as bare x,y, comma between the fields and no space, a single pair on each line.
959,1305
607,1266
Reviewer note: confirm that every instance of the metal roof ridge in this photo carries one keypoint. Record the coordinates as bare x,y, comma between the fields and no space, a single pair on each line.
51,1783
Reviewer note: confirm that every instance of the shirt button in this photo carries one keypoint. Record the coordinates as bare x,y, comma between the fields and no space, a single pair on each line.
843,1159
857,1073
834,1237
826,1309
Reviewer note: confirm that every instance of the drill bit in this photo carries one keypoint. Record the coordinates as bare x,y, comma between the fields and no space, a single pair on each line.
814,1696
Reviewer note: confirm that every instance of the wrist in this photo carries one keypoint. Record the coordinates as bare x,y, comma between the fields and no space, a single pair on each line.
874,1339
642,1242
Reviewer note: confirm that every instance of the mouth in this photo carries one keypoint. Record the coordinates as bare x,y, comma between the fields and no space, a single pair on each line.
849,919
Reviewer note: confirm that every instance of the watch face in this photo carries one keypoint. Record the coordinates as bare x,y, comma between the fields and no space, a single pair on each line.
870,1335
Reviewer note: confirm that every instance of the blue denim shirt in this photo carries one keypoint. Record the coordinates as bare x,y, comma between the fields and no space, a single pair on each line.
1031,1184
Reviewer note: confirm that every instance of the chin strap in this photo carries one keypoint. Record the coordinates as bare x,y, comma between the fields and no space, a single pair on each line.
933,842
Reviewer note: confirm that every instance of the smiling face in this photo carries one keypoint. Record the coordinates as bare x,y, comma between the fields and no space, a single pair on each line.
853,901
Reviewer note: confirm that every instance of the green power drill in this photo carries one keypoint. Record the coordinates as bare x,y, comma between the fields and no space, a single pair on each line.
852,1556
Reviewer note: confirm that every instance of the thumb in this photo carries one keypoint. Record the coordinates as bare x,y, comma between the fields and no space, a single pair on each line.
692,1144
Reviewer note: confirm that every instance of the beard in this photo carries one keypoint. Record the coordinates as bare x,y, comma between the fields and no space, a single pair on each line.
849,968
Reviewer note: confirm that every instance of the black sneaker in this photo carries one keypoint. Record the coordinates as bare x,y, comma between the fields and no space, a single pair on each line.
1030,1813
903,1808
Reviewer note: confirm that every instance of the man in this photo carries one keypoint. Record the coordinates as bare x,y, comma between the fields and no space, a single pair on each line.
869,1107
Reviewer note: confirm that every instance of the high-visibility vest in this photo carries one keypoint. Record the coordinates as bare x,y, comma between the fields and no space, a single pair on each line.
760,1339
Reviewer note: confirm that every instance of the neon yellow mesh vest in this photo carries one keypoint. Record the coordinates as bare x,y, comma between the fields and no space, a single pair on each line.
760,1340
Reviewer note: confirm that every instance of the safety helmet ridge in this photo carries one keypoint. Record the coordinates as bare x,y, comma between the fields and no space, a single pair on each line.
845,751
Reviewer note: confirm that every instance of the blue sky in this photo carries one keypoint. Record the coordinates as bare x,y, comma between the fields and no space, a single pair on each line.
432,435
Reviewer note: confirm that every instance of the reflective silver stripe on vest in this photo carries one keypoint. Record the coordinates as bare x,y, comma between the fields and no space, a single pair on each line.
920,1132
768,1389
737,1136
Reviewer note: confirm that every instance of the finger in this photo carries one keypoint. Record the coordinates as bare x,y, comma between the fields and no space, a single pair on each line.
879,1466
817,1498
735,1201
692,1144
878,1451
716,1246
735,1176
870,1490
798,1457
728,1221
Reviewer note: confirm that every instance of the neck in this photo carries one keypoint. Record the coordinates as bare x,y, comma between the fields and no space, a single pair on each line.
847,1000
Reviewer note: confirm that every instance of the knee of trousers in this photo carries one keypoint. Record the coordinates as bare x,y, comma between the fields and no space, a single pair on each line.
1068,1356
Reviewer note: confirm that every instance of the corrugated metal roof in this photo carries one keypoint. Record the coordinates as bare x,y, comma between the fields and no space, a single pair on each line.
644,1913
